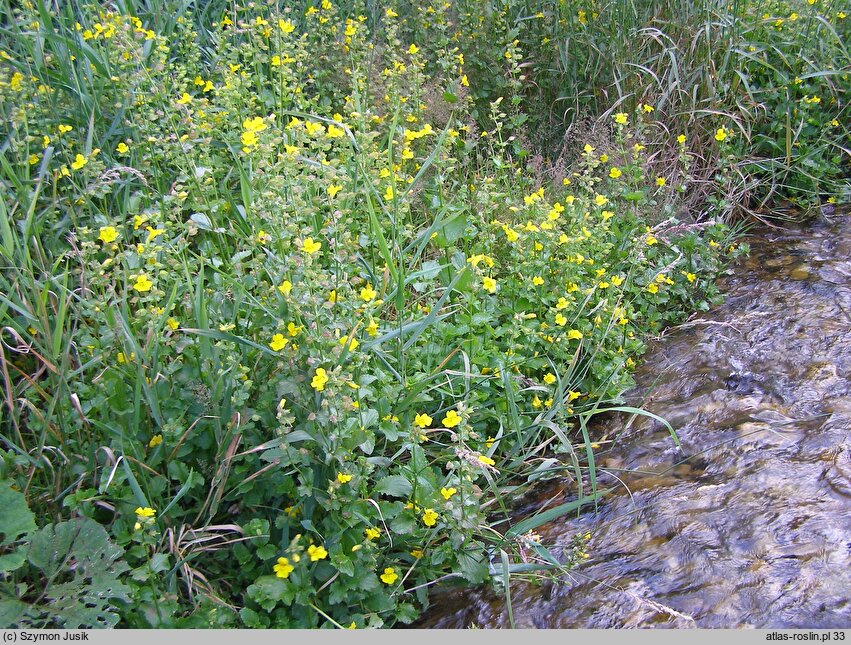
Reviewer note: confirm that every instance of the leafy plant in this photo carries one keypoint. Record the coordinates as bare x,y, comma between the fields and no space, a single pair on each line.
65,575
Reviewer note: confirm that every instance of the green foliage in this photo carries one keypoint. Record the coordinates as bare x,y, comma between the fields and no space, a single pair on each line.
291,313
16,523
776,74
63,575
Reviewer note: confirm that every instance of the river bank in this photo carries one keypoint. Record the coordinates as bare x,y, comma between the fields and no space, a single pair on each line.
747,524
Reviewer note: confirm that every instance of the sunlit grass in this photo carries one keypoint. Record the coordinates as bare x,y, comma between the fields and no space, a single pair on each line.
295,310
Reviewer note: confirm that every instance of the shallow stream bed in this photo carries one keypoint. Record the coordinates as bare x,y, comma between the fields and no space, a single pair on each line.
749,522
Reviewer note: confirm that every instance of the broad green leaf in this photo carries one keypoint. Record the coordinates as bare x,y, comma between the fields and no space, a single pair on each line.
394,486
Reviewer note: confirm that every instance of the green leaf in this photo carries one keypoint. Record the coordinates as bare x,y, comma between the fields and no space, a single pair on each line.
403,525
406,613
549,515
16,519
394,486
473,566
80,554
631,410
16,522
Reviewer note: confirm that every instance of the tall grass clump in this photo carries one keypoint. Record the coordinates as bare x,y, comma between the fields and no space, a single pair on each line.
293,310
759,88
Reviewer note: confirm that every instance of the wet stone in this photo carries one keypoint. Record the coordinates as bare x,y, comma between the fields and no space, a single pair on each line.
800,272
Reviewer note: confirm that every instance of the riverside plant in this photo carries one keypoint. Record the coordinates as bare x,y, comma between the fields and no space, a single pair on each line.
775,75
290,325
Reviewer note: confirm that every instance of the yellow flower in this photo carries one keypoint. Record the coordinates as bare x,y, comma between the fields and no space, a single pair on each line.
681,139
313,128
122,148
650,240
621,118
283,569
429,517
278,342
652,287
691,277
368,293
334,132
286,26
615,172
285,287
333,189
319,380
422,421
79,162
451,419
389,576
448,492
153,233
172,323
489,284
372,328
561,321
372,533
146,511
574,334
343,478
184,99
310,247
413,49
549,378
65,128
353,343
720,134
487,461
601,200
660,181
255,124
156,440
316,553
537,281
143,283
107,234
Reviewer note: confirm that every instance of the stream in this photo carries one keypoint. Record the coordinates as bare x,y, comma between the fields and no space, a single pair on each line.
748,524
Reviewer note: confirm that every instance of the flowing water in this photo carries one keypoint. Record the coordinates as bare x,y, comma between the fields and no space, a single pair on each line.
749,523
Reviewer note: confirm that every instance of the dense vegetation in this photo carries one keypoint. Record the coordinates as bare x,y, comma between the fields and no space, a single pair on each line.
296,302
